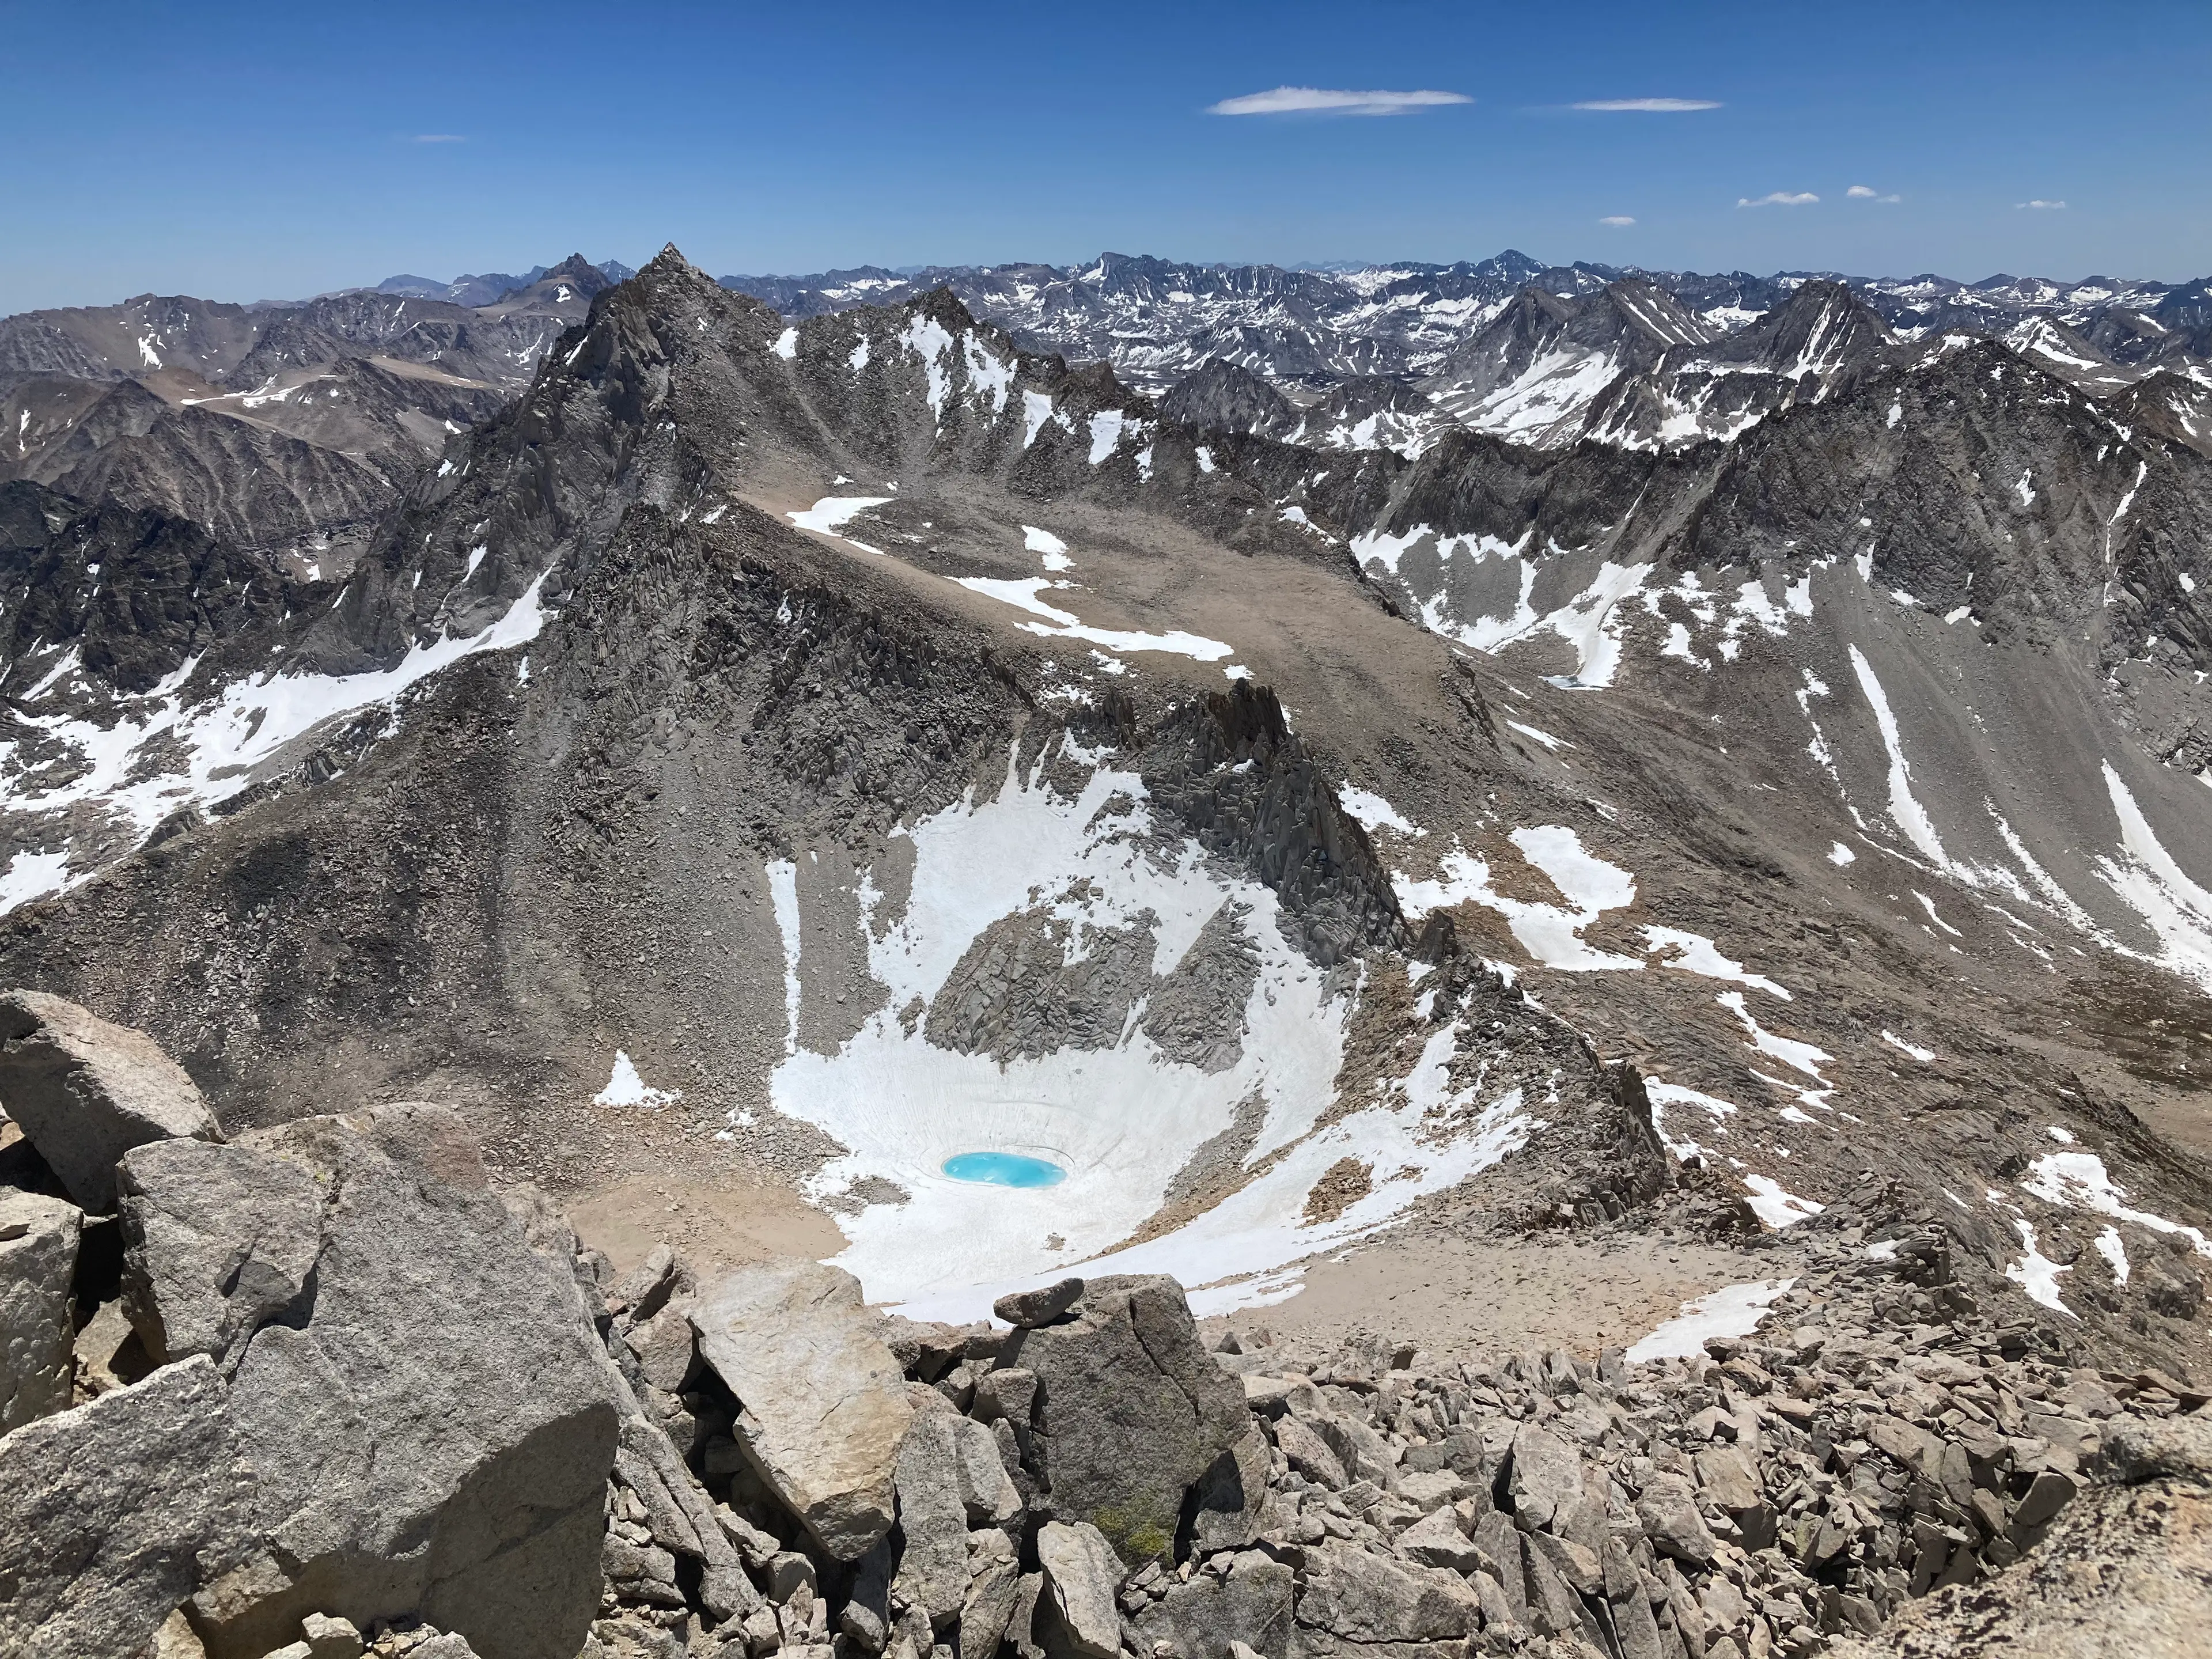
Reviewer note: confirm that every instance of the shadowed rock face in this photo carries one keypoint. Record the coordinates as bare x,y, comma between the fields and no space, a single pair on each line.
1131,1411
39,1238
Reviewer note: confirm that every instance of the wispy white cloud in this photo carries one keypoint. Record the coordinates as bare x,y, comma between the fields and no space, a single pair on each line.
1320,100
1649,105
1869,193
2040,205
1617,219
1779,198
441,138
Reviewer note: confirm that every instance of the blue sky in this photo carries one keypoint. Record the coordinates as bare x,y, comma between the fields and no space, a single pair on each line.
241,150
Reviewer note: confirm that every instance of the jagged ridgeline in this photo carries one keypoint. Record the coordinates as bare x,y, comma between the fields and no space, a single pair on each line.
804,761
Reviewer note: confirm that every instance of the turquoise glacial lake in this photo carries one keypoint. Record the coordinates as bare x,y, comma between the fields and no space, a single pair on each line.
1004,1169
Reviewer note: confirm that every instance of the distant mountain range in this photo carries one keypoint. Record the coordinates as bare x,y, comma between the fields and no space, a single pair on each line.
488,288
286,429
1544,355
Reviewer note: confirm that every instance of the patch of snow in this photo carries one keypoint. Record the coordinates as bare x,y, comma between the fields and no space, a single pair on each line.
1549,933
2146,876
783,891
1663,1096
2115,1253
2036,1273
1106,428
1023,595
1799,1056
1037,410
1373,812
1774,1205
2079,1180
1545,737
786,346
1694,953
626,1088
1904,811
1734,1311
1923,1055
1121,1121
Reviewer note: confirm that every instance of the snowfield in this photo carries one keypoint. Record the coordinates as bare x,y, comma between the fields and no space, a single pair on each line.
1122,1121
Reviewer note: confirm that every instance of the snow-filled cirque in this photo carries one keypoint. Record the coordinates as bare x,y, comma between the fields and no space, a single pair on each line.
1122,1120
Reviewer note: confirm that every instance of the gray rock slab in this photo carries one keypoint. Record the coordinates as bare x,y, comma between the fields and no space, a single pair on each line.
435,1430
1436,1540
1359,1597
1210,1617
994,1572
37,1275
1081,1571
1546,1472
1026,1309
217,1240
110,1513
86,1091
1131,1410
933,1569
824,1402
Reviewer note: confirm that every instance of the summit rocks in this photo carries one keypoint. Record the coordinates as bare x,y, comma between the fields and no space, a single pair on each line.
87,1091
823,1406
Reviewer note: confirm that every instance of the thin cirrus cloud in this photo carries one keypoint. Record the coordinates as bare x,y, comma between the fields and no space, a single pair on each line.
1649,106
1869,193
1617,220
1778,198
2040,205
1321,101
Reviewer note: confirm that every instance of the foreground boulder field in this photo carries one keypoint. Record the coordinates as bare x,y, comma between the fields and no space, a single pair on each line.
368,1402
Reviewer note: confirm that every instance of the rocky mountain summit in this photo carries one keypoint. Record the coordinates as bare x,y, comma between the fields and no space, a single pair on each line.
970,886
324,1389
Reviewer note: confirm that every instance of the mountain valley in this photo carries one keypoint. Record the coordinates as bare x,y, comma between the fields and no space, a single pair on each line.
1339,781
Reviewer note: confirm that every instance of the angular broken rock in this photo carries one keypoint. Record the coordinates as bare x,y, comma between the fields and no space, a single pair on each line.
1213,1616
1359,1597
1668,1513
1436,1540
86,1091
1080,1573
824,1402
1131,1410
434,1436
986,1489
217,1240
1028,1309
934,1570
1308,1454
109,1513
1229,1497
994,1580
1546,1473
37,1276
